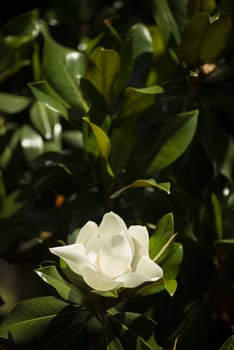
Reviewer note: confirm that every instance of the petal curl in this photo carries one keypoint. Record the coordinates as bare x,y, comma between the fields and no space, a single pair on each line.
74,255
149,269
130,280
96,280
86,232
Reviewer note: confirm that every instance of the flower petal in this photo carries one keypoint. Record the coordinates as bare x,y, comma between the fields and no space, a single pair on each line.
148,268
97,280
111,225
140,239
141,236
74,255
86,232
115,256
130,280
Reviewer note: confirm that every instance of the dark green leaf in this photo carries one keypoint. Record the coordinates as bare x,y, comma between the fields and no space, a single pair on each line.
218,220
175,138
12,204
63,69
21,29
135,102
30,318
196,6
13,103
171,265
166,21
204,38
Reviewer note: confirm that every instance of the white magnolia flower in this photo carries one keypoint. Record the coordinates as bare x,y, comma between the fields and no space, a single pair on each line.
111,255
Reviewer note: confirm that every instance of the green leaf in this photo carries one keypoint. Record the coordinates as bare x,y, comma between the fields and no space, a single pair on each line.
151,90
31,143
166,21
129,327
103,141
114,293
21,29
171,265
103,69
204,38
162,235
30,318
174,140
229,344
66,290
46,95
149,288
217,212
135,102
11,104
165,187
63,69
140,40
196,6
8,152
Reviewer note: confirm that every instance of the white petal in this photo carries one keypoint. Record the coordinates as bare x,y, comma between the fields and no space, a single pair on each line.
86,232
111,225
97,280
140,239
148,268
74,255
115,256
130,280
141,236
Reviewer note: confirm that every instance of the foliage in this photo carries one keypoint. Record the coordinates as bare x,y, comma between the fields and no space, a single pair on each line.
123,106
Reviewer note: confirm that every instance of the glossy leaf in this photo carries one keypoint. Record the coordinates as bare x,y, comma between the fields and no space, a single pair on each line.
21,29
175,138
31,317
171,265
103,70
31,143
46,95
63,69
166,21
67,291
140,40
11,104
135,102
161,235
204,38
165,187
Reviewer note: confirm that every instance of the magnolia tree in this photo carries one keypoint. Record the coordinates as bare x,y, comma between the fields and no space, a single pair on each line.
116,175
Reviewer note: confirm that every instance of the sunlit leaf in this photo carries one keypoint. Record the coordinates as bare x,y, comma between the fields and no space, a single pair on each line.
11,104
67,291
103,69
165,187
102,139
